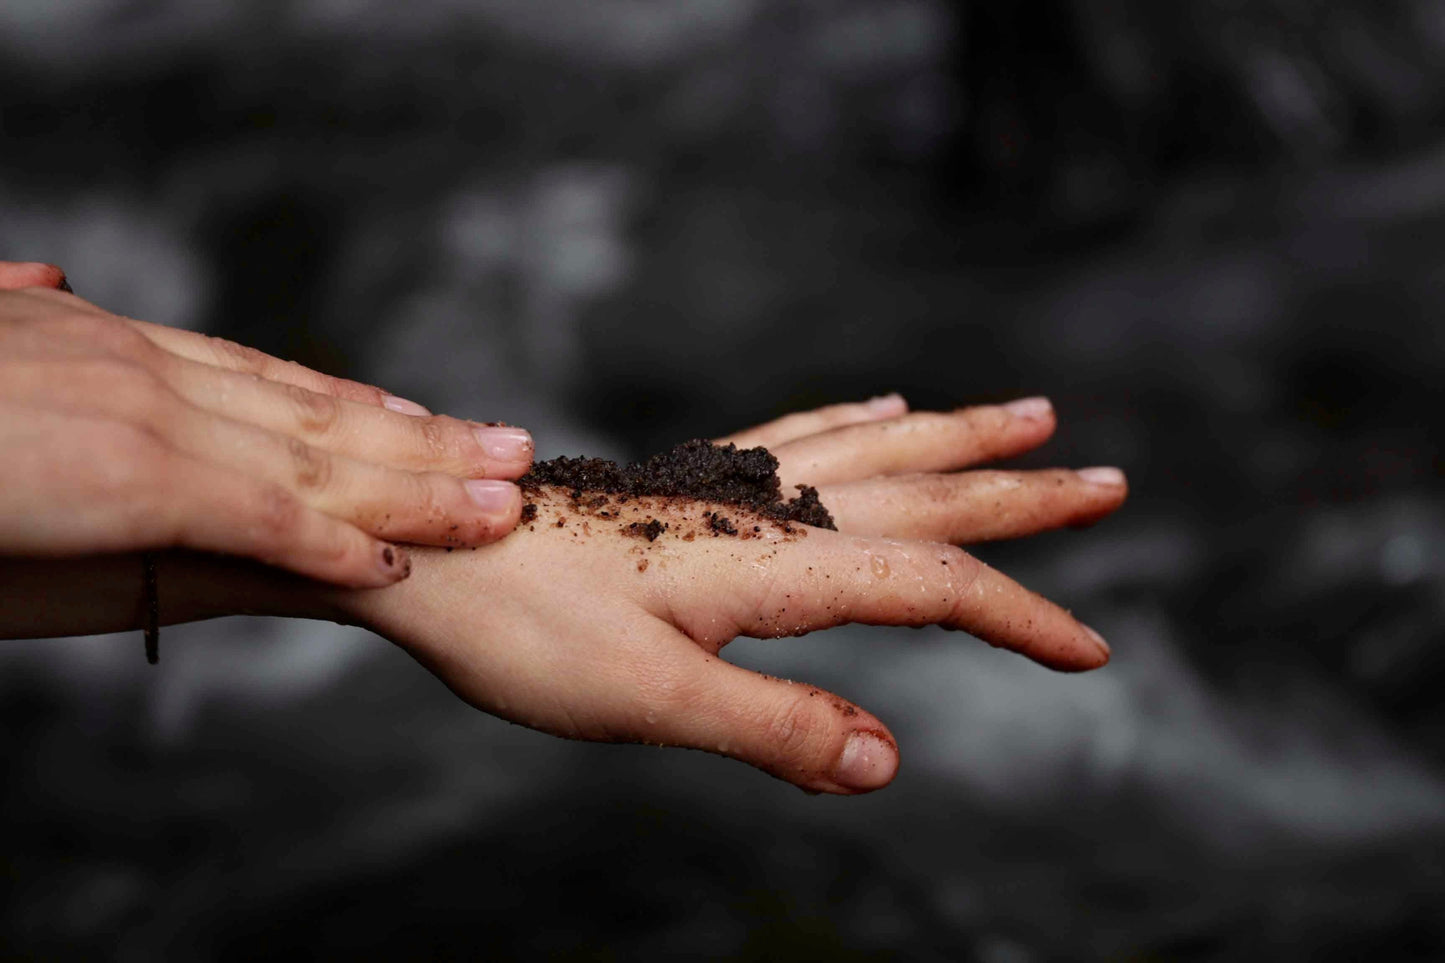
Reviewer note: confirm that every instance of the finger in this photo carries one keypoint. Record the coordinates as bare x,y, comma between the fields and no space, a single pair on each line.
803,423
974,506
919,442
828,579
361,431
428,508
117,487
15,275
794,731
214,510
221,353
425,507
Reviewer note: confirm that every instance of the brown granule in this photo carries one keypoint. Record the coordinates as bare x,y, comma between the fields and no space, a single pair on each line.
719,522
648,530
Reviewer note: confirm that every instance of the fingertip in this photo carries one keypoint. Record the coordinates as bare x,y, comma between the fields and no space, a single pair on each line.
890,405
1037,409
1104,477
868,762
393,563
499,503
507,450
403,407
1084,653
16,275
1103,649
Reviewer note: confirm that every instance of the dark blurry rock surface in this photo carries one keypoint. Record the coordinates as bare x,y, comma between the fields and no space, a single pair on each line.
1210,231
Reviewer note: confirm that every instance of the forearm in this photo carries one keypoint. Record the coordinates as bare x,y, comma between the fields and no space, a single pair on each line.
42,598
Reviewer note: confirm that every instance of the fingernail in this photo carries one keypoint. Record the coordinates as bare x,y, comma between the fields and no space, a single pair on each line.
1111,477
1103,646
492,496
867,762
403,407
1034,409
890,404
394,561
506,443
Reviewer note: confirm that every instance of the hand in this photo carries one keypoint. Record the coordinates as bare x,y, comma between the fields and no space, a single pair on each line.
577,627
124,436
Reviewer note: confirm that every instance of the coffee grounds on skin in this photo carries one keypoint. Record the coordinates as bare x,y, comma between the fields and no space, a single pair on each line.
648,530
747,478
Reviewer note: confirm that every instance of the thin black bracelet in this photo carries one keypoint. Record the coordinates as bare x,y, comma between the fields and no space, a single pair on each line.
153,608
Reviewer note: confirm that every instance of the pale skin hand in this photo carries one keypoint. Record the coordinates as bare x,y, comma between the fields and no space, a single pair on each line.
122,436
581,630
590,632
586,631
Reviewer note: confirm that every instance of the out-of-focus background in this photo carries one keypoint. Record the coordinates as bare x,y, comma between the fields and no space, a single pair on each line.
1212,232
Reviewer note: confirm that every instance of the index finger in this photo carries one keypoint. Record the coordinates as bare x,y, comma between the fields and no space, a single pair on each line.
924,441
827,579
221,353
800,424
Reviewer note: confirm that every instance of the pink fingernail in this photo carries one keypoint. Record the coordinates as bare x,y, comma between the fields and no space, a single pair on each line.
1034,409
1109,477
890,404
505,443
493,497
403,407
867,762
1103,646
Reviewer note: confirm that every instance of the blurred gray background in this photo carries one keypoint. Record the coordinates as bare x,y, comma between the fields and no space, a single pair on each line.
1213,232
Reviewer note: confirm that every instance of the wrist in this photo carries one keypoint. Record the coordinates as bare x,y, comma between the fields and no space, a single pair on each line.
42,598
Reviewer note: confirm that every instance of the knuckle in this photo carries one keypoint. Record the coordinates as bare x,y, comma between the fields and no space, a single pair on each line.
351,390
113,336
795,732
316,414
963,573
433,438
937,489
424,500
437,437
238,357
278,514
311,470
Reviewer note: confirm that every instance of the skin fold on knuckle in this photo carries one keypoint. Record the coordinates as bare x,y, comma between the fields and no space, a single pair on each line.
315,415
344,388
796,740
439,443
962,582
239,357
311,471
278,523
436,508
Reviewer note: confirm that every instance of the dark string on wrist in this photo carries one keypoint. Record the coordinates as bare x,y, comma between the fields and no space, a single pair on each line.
152,608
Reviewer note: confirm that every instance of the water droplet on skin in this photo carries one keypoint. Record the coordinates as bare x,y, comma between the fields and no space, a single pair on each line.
652,717
880,567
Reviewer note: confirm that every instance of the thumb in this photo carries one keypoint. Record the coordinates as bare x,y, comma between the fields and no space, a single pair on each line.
797,732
